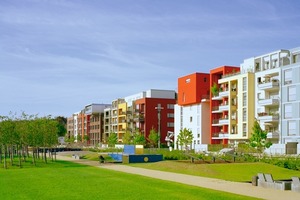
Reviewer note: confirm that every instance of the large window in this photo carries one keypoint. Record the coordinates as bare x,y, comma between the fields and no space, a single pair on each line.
292,128
288,111
288,76
292,93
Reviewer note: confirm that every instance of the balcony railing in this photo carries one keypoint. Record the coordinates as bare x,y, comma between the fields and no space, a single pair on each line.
224,93
220,136
271,84
268,101
268,117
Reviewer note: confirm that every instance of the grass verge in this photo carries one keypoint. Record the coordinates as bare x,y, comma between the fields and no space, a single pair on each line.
66,180
239,172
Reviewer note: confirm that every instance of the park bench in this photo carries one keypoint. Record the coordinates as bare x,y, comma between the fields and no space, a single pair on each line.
267,181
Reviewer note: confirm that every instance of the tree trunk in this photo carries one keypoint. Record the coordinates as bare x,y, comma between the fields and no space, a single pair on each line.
45,155
11,155
19,150
5,165
33,156
1,153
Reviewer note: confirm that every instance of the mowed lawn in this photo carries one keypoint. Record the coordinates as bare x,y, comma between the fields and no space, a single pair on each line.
239,172
66,180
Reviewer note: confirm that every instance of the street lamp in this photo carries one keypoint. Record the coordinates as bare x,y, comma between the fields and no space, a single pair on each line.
158,108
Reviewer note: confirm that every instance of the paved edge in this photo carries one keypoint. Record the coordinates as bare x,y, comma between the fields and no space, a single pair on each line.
245,189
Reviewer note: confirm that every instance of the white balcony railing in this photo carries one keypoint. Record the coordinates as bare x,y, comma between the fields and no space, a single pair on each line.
268,102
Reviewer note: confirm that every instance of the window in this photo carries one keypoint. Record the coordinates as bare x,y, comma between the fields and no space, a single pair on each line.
170,124
288,111
259,80
170,115
291,128
244,83
170,106
188,80
204,79
198,135
292,93
288,76
244,99
244,114
191,119
244,130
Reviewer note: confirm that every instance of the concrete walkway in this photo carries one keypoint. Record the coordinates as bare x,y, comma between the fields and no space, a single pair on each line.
245,189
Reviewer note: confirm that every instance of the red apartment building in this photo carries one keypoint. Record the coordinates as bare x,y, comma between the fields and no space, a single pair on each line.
146,116
216,101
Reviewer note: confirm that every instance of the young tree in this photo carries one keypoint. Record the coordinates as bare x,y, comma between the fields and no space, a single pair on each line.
139,139
185,138
127,138
112,139
153,137
258,138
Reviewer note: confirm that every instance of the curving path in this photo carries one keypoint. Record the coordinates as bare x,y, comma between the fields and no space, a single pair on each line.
245,189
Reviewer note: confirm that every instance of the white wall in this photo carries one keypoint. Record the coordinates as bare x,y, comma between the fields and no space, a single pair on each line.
196,118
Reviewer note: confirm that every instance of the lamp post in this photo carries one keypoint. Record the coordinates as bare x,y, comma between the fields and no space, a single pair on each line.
158,108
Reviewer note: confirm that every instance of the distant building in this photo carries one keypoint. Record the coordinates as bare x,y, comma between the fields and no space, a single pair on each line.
87,125
138,113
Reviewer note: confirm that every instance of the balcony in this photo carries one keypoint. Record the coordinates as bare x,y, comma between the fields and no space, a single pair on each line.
269,102
224,121
216,97
220,122
224,93
268,117
139,119
223,107
215,109
269,85
273,135
220,136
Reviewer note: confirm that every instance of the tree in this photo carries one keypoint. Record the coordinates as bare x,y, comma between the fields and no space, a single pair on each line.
61,126
127,138
185,138
138,138
214,89
153,137
112,139
258,138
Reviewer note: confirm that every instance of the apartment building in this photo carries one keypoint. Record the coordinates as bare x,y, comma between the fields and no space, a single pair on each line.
87,125
139,112
219,104
192,109
237,107
277,104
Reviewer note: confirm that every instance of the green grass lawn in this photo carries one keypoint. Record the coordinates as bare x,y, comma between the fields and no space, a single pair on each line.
240,172
66,180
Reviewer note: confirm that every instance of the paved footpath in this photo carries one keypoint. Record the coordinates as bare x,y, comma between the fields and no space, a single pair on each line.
245,189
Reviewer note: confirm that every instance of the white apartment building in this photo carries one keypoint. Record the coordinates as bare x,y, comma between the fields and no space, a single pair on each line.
277,105
192,110
195,118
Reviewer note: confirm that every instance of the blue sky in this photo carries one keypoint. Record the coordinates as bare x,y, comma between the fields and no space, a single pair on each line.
57,56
